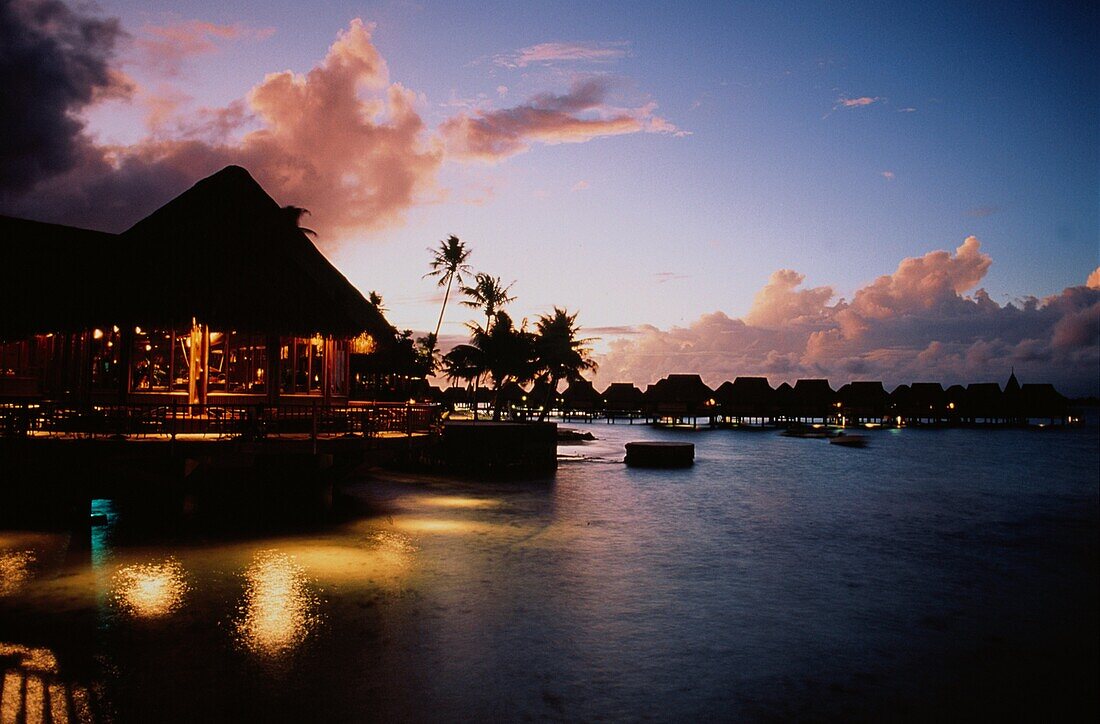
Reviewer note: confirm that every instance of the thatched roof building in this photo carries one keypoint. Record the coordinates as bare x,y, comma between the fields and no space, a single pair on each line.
580,396
622,397
221,270
746,397
679,395
812,399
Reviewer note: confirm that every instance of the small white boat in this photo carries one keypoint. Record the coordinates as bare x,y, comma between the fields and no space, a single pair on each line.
849,440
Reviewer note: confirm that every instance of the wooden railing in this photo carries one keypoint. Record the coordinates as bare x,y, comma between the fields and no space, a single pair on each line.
249,422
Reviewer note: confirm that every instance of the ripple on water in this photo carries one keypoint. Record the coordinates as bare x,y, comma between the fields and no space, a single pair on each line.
279,609
149,590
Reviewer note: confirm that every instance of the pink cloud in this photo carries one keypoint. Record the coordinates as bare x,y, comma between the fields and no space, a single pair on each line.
916,323
339,140
577,116
888,175
1093,282
580,185
166,47
860,102
547,53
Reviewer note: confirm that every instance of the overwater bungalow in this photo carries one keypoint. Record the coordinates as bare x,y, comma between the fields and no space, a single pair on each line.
678,399
746,401
580,400
1041,404
812,400
622,400
216,297
862,402
926,404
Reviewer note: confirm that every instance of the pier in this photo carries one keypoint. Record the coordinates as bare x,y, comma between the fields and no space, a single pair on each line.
174,461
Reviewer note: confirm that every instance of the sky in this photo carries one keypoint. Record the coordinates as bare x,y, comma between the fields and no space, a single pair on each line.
849,190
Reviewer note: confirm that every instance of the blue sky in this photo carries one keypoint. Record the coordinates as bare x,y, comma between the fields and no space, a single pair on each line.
1001,143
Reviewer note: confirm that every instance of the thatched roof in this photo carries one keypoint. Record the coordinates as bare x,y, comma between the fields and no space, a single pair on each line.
622,396
863,393
580,392
679,388
223,252
54,278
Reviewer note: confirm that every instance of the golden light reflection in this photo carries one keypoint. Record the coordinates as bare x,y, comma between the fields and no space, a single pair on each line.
32,659
34,707
149,590
440,525
458,501
15,570
10,701
278,610
59,709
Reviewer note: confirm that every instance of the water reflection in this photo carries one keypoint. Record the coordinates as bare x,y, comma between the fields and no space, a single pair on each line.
32,691
458,501
278,610
149,590
15,570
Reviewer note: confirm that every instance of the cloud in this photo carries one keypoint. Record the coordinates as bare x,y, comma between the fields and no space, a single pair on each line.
577,116
53,63
668,276
550,53
888,175
924,321
164,48
340,140
861,102
980,212
580,185
1093,282
908,109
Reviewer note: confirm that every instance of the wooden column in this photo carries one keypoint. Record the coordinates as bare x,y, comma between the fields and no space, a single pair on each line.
198,358
125,362
273,370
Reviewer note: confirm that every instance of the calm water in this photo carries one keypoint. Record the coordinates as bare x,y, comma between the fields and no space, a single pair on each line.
779,578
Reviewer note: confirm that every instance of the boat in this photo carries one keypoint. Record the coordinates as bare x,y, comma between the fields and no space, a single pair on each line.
849,440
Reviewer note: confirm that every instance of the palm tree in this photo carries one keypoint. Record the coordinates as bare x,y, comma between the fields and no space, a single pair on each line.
489,294
465,362
449,264
559,354
501,352
294,214
375,300
427,356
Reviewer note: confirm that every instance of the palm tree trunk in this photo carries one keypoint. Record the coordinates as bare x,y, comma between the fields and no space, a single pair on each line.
496,401
450,278
549,395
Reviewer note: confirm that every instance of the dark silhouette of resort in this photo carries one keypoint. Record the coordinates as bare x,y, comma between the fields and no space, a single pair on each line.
217,316
681,399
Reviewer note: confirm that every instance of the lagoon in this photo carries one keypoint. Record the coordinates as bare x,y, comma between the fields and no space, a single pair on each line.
935,571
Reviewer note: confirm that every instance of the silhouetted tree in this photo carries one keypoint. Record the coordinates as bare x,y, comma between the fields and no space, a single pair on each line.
448,264
487,294
294,216
501,353
559,354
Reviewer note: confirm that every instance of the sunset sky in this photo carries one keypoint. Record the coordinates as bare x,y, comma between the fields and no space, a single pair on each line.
716,189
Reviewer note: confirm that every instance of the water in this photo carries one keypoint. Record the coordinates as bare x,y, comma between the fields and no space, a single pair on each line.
935,571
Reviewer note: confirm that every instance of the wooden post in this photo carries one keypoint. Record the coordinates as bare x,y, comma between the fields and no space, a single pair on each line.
274,369
125,362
